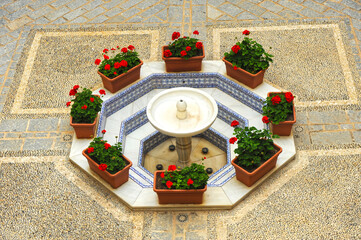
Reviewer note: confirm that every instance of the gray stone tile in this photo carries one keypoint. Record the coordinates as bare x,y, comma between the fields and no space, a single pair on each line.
269,15
11,145
75,14
215,3
147,4
175,2
13,135
116,19
354,116
57,13
163,14
315,6
332,13
37,143
199,13
75,4
331,137
357,136
352,13
253,8
41,20
40,12
335,5
310,13
346,126
331,127
80,20
327,117
289,14
5,2
6,39
153,19
60,3
291,5
130,4
161,236
175,14
113,12
315,127
99,19
19,13
39,3
194,236
270,6
230,9
41,134
50,124
246,15
111,4
152,10
130,12
13,125
95,12
352,4
16,5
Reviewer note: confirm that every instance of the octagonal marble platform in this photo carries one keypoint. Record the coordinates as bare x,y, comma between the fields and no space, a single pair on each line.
123,116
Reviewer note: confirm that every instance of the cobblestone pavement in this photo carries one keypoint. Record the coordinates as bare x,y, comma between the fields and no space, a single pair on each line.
317,195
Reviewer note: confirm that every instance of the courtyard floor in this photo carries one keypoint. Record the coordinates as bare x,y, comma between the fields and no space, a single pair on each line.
47,46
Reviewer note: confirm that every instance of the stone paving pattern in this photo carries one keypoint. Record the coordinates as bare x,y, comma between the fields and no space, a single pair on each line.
315,196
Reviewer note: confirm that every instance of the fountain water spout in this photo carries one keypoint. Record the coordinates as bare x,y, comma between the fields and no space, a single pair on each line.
181,109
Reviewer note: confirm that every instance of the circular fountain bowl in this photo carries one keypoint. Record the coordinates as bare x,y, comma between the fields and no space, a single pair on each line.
202,110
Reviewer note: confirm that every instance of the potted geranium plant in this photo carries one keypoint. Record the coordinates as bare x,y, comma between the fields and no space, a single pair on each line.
120,70
183,54
181,186
84,111
279,110
256,153
247,61
108,161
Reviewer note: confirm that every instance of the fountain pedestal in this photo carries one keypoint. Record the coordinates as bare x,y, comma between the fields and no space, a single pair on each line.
184,149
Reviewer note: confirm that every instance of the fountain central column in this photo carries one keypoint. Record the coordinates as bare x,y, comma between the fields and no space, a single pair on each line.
183,144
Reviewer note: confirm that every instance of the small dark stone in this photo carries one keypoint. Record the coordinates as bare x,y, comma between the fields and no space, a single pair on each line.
159,167
209,170
205,150
171,148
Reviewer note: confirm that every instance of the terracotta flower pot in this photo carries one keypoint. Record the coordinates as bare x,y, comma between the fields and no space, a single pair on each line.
178,64
84,130
177,196
283,128
250,178
123,80
242,76
115,180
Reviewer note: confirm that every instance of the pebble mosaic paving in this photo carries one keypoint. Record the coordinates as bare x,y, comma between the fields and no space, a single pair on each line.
35,137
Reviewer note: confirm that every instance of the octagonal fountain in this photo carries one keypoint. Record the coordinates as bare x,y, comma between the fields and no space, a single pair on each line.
124,116
182,113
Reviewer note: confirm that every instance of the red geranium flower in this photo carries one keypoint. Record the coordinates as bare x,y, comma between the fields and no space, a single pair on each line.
234,123
175,35
105,50
162,175
68,104
289,96
276,100
102,167
188,48
123,63
172,167
92,99
76,87
131,47
107,145
72,92
84,107
169,184
112,49
167,53
97,61
104,131
90,150
118,47
235,67
199,45
106,57
116,65
236,48
189,182
115,73
246,32
102,92
107,67
232,140
265,119
204,157
183,53
195,32
124,50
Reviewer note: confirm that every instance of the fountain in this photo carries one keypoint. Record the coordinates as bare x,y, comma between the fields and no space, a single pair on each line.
182,112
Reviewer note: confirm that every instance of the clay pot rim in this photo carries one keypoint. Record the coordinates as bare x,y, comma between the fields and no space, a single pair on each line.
156,173
293,109
106,172
179,58
258,169
82,124
240,69
121,75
